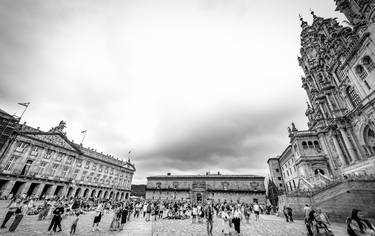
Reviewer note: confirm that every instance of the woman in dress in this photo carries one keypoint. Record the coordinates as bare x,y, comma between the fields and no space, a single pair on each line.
226,221
115,224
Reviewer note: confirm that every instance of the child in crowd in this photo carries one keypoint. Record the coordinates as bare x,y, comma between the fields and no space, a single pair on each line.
74,224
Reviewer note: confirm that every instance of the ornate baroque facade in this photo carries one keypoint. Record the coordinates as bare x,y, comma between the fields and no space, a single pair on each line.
46,164
200,188
339,78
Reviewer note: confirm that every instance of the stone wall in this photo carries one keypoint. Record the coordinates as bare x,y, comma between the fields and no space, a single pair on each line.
337,200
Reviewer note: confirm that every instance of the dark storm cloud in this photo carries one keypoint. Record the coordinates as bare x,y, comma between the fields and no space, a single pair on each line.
234,139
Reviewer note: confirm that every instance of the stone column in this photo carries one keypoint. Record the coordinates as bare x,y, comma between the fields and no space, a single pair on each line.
25,188
51,191
39,189
64,191
349,145
8,187
339,151
325,149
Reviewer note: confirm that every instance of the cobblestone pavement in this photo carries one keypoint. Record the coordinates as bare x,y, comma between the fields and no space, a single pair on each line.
267,226
30,226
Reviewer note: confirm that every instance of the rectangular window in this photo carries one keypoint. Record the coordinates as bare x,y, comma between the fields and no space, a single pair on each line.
34,151
277,170
10,163
279,178
42,167
54,168
106,170
111,173
87,166
64,171
83,175
21,146
93,166
78,163
75,173
69,160
48,154
100,168
59,157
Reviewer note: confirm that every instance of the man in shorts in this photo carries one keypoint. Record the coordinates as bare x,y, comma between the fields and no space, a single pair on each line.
256,209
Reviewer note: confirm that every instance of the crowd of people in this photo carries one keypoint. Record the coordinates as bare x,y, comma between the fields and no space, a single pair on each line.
230,215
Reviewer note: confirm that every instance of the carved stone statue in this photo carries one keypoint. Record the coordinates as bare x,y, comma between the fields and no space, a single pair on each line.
60,127
294,127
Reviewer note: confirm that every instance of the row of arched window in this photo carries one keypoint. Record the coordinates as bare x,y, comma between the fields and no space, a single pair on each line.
310,144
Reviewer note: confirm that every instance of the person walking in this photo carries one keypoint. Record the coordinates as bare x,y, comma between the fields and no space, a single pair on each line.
20,212
12,207
73,227
209,212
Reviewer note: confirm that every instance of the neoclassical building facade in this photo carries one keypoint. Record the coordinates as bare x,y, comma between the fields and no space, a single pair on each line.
338,62
47,164
200,188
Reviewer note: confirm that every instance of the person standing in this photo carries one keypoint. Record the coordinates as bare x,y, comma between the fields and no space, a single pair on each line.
226,221
13,206
20,212
256,209
124,215
74,224
289,212
194,214
56,219
144,209
247,213
237,216
98,217
209,218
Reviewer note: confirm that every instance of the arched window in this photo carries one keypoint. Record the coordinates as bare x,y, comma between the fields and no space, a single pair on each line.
353,96
319,171
304,145
316,145
361,72
309,143
368,63
369,136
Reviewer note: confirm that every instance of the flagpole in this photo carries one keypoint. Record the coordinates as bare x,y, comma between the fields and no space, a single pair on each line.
84,135
26,105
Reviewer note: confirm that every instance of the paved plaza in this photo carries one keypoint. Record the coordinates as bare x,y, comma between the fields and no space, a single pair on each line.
268,225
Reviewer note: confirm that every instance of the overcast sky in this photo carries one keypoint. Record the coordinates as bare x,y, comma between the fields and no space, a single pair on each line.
188,85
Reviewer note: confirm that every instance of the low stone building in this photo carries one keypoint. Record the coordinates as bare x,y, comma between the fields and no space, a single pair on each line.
46,164
200,188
